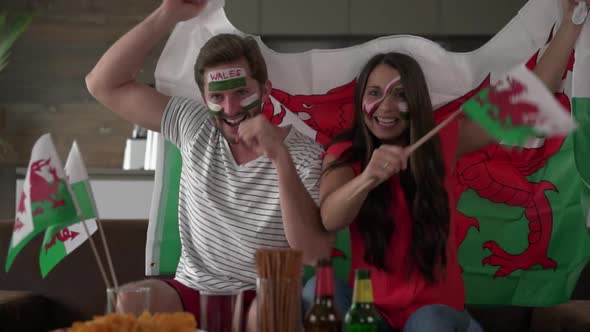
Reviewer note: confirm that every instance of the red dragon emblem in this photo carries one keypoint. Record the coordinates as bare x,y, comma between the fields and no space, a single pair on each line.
63,235
41,189
327,114
507,110
500,175
21,208
17,225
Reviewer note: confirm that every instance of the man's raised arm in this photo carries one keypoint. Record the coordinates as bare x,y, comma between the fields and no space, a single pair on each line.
113,80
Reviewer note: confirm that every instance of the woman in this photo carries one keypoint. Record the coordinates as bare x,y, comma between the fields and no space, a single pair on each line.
397,206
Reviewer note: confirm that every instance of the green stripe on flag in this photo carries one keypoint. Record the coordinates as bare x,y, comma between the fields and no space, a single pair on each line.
167,235
581,111
227,84
50,257
83,194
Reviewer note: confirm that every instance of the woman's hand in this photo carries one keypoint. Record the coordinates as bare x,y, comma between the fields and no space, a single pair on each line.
386,161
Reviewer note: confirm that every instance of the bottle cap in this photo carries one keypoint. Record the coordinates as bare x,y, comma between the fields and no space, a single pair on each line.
324,262
363,274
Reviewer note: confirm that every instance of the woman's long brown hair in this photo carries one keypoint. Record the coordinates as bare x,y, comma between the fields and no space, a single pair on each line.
422,181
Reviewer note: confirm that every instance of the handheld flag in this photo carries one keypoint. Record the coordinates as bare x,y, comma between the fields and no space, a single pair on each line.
62,239
519,107
45,200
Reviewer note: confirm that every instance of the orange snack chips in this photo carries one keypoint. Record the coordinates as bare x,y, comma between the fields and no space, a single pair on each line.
160,322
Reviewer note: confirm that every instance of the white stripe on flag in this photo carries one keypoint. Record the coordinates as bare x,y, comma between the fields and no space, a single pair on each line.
74,243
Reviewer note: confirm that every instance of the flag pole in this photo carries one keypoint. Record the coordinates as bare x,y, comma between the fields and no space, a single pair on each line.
412,148
105,244
92,244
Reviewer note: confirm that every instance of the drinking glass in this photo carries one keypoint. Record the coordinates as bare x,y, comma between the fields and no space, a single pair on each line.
220,312
130,300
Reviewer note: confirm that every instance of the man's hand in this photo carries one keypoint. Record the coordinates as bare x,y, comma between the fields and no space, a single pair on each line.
262,137
182,10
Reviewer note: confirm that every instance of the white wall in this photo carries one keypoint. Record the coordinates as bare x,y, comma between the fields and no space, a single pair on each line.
118,199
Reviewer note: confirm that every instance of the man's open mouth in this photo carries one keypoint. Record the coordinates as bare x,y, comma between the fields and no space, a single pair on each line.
235,121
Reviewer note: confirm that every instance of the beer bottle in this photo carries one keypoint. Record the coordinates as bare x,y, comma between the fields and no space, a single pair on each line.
322,316
362,315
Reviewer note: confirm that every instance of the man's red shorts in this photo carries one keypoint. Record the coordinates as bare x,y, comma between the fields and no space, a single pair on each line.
191,302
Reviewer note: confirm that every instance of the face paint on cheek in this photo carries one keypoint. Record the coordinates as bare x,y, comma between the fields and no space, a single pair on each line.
404,112
214,109
250,102
371,107
226,79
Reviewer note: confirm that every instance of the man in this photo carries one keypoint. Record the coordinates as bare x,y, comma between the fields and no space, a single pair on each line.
245,184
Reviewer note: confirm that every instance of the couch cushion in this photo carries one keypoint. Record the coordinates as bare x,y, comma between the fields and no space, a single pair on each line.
502,319
573,316
25,311
76,283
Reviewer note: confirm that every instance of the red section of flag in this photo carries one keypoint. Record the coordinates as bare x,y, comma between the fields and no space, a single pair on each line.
328,114
41,189
63,235
518,112
17,225
22,208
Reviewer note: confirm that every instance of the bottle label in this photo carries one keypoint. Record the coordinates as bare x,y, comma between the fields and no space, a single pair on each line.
362,328
363,291
325,282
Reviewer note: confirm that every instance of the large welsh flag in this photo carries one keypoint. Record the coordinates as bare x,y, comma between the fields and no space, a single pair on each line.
45,200
522,210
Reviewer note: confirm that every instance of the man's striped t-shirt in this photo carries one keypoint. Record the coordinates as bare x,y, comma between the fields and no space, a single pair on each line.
226,211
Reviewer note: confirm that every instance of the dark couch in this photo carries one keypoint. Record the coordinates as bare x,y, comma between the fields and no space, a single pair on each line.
74,290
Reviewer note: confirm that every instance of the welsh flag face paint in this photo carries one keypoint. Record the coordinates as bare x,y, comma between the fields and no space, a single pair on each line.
226,79
247,104
371,107
229,79
403,110
214,109
250,102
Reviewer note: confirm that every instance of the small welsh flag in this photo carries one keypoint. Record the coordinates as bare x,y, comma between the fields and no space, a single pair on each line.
45,200
519,107
59,241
